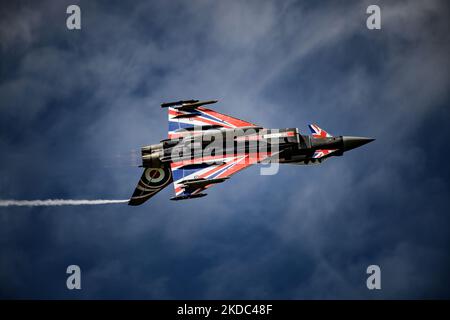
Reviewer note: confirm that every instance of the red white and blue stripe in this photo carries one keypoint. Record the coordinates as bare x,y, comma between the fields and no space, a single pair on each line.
200,117
212,167
322,153
317,132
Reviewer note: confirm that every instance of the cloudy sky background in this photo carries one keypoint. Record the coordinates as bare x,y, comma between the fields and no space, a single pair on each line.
74,104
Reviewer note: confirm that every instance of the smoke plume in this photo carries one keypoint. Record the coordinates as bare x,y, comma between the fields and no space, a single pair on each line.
56,202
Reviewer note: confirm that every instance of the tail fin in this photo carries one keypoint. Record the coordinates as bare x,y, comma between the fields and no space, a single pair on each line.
152,181
317,132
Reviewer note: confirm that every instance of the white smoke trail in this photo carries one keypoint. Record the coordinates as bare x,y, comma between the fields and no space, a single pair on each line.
56,202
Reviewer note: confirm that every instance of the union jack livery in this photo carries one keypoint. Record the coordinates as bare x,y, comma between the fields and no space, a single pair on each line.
318,132
205,147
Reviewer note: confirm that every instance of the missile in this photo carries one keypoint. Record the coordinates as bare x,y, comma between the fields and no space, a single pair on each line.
177,103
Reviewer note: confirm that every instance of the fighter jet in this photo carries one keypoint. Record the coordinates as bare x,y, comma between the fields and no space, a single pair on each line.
205,147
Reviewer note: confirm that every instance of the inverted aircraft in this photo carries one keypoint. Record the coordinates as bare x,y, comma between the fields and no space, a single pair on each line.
205,147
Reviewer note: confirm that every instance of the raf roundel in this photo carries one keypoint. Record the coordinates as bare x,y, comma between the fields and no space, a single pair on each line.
156,177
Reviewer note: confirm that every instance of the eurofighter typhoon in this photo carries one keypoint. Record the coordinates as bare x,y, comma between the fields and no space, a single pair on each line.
205,147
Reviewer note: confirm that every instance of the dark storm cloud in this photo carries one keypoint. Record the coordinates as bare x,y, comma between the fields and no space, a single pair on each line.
75,103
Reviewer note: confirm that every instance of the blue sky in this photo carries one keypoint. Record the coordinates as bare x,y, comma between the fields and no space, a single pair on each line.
75,104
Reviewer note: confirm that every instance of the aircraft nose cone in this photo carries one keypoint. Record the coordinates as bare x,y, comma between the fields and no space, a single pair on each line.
354,142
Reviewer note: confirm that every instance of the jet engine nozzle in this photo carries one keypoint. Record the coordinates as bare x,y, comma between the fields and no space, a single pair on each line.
152,160
151,148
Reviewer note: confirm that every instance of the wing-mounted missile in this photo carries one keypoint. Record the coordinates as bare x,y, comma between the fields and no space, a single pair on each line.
189,196
200,182
202,128
195,186
177,103
186,105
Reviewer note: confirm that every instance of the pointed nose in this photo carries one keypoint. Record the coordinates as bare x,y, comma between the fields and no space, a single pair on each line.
354,142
